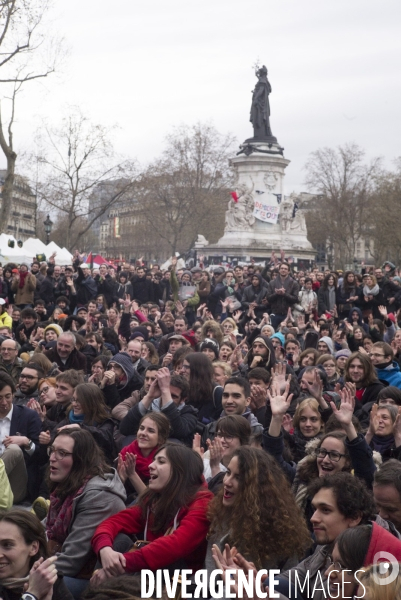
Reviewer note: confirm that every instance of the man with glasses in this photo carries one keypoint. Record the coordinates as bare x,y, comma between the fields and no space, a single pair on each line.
28,384
9,361
387,369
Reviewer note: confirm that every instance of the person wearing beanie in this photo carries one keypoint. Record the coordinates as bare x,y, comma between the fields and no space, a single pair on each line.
341,358
51,334
120,379
140,333
325,345
211,348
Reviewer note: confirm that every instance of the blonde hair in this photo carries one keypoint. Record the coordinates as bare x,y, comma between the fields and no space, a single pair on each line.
307,403
375,591
225,366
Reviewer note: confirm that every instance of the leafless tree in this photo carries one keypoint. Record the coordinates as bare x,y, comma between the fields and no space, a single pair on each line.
340,213
186,191
27,52
76,158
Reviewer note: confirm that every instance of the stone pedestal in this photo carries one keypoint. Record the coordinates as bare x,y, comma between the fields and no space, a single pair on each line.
260,169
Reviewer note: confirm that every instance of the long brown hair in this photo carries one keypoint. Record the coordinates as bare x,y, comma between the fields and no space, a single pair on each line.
92,403
185,481
30,528
88,462
368,368
263,504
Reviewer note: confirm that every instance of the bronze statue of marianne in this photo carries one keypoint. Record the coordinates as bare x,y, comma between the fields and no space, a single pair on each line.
260,109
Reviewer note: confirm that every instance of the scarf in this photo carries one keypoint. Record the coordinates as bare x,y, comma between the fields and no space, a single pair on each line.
142,462
60,515
381,443
15,583
75,419
371,291
22,277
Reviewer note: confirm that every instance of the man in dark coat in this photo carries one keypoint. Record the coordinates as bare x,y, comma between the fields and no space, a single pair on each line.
282,294
66,355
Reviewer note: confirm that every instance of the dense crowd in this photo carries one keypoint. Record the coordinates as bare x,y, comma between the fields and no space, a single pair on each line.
238,418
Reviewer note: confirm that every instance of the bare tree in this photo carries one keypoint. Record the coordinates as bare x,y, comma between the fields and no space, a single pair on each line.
27,53
185,192
385,214
76,158
340,213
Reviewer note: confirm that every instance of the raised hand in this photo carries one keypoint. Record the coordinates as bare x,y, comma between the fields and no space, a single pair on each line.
121,469
383,311
346,410
130,464
279,401
279,376
316,388
216,452
196,445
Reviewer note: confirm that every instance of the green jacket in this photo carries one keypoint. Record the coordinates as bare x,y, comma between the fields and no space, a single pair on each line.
175,286
6,495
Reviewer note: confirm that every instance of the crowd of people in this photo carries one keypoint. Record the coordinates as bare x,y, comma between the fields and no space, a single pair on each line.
238,418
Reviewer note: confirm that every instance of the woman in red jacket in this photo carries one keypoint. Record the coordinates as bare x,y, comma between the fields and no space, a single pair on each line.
172,513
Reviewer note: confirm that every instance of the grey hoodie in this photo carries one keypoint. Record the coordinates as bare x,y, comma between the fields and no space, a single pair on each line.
100,499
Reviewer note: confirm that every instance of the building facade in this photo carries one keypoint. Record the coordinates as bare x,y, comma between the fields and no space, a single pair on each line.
22,219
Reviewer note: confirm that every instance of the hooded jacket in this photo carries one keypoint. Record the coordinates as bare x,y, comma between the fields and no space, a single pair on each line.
266,363
115,393
329,342
360,318
101,498
391,374
255,294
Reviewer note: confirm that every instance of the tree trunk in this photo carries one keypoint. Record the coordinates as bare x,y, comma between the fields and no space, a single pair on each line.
7,192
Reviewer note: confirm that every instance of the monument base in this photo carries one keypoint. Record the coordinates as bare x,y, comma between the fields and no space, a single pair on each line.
262,219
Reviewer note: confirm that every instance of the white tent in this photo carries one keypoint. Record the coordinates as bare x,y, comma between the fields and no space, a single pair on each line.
30,249
17,255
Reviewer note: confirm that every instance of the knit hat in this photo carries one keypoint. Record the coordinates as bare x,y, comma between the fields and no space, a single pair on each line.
280,337
53,327
210,343
123,360
139,332
343,352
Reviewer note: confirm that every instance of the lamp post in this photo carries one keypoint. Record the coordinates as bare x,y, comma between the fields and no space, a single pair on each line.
48,228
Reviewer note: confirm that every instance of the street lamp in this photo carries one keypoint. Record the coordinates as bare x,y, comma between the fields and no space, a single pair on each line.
48,228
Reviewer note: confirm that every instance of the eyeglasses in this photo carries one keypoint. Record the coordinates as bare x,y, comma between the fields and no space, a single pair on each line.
186,367
43,391
375,355
58,454
228,438
333,455
333,563
28,377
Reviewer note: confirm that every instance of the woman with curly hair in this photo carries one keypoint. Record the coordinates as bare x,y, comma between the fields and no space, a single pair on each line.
255,482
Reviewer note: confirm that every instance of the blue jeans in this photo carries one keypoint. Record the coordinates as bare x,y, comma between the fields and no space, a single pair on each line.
276,320
76,586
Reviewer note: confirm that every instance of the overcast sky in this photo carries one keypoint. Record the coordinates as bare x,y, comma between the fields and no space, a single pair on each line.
334,67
